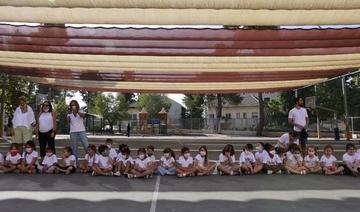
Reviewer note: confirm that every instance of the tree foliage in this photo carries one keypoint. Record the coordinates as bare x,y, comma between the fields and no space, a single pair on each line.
153,103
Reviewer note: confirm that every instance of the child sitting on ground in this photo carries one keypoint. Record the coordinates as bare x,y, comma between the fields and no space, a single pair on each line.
328,162
202,164
167,163
247,160
294,164
311,161
49,162
227,164
143,166
90,157
103,162
185,164
68,163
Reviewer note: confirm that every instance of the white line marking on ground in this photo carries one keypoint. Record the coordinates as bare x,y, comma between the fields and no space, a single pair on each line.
155,195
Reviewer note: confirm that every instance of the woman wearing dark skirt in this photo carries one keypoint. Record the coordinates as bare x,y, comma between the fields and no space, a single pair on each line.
46,128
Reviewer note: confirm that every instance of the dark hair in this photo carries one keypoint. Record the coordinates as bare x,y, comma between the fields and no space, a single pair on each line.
328,146
228,148
102,148
49,148
312,147
22,98
292,146
122,146
68,149
76,104
206,156
50,106
262,144
185,149
248,147
280,150
150,147
16,145
92,147
268,147
170,151
294,134
297,148
297,99
141,150
109,140
31,144
350,145
125,150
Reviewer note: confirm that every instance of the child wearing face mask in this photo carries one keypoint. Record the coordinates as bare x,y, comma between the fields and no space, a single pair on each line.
150,154
142,168
103,162
294,164
12,160
113,154
167,163
90,157
227,164
68,163
273,163
124,162
29,161
311,161
49,162
260,156
185,164
351,161
202,164
328,162
247,160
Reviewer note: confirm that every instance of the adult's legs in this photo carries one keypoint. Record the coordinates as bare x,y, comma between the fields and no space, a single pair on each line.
84,141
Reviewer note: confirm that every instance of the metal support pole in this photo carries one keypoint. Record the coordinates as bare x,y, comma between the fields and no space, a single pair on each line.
347,132
296,93
2,108
317,115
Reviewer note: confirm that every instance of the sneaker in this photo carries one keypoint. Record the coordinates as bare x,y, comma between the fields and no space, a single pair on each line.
279,172
130,176
269,172
180,175
93,173
232,173
118,174
110,174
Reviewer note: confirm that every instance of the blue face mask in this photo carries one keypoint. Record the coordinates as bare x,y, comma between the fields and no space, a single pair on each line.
106,154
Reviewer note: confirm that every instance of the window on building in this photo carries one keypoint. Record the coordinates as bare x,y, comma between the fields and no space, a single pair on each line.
228,116
266,99
211,116
244,116
254,115
238,115
133,116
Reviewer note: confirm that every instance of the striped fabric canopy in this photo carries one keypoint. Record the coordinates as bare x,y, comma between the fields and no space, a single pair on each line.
177,60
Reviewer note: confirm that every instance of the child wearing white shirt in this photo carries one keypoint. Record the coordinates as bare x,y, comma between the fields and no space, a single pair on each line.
112,151
185,164
49,162
202,165
124,162
90,157
247,160
68,163
29,159
227,164
294,164
103,162
273,163
143,167
260,156
328,162
311,161
12,160
167,163
150,154
351,161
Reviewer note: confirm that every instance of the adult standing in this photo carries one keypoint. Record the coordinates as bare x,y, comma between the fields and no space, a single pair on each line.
46,128
23,122
128,128
77,128
299,119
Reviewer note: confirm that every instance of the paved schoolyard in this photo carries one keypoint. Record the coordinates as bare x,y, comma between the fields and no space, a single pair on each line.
211,193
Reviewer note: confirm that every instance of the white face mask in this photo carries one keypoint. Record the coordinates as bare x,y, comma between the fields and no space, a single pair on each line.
28,150
108,145
46,109
186,155
272,152
124,156
247,152
311,153
141,156
166,155
202,153
259,148
49,154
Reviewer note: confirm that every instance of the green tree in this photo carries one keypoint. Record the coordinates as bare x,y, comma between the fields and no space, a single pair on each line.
153,103
61,110
195,105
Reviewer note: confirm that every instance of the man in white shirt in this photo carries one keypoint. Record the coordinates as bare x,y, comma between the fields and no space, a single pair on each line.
23,122
298,117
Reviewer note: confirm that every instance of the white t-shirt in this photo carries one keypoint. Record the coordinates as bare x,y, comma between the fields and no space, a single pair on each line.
91,159
273,161
167,162
288,155
23,119
201,160
223,158
247,158
185,162
29,157
311,162
142,164
350,159
113,153
358,153
76,123
67,161
298,116
49,161
152,158
103,162
285,140
124,160
261,156
13,159
46,122
294,162
1,158
328,162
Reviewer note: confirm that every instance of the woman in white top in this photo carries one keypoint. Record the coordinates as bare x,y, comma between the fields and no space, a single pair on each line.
23,122
77,128
46,128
